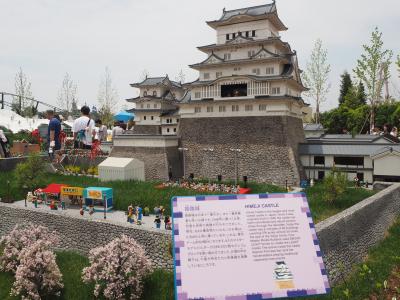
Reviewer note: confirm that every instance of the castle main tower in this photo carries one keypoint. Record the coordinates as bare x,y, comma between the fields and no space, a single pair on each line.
243,115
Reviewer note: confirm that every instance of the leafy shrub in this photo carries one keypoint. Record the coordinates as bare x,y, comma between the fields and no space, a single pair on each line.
21,237
31,172
334,185
38,275
118,269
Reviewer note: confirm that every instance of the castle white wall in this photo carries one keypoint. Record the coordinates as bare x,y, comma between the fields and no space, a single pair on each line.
388,165
263,28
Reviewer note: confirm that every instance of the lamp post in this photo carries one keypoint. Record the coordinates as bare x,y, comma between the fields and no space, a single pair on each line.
105,207
211,150
183,150
236,151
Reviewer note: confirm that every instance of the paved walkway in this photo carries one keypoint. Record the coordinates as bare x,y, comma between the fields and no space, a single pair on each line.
115,216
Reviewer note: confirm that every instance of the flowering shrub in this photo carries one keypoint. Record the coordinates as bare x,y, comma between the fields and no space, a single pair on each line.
19,238
37,275
118,269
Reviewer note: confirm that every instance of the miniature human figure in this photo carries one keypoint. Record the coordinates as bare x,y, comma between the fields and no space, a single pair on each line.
139,214
63,204
36,202
167,222
162,211
91,210
81,211
158,222
156,210
356,182
53,205
130,214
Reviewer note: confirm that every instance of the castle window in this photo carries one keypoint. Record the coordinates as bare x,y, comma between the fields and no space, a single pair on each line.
152,117
206,75
177,120
155,105
235,107
319,160
197,95
218,74
141,105
240,33
227,37
256,71
251,53
167,129
270,71
248,107
174,129
262,107
237,69
276,91
227,56
233,35
253,33
148,105
144,118
234,90
210,109
247,34
197,109
144,93
222,108
154,93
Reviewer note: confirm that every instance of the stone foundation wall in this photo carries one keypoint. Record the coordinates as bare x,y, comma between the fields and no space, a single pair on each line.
156,160
269,147
346,237
147,129
82,235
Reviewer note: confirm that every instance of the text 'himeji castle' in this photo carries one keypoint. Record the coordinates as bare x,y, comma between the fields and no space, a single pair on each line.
241,117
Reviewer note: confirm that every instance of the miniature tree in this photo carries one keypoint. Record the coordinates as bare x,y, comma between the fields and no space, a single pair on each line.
30,173
38,275
20,238
334,185
118,269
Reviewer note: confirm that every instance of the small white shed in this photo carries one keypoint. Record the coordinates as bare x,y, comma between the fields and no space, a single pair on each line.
119,168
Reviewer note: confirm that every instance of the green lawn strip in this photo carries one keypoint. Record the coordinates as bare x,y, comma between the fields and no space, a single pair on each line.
145,193
321,209
368,277
158,285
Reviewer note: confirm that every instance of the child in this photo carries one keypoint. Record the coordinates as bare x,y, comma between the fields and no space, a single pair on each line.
158,222
130,214
167,222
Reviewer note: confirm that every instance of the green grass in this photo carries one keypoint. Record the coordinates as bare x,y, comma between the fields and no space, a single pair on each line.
145,193
382,259
321,209
157,286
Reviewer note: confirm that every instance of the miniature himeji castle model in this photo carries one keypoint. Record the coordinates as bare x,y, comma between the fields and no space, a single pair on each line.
242,116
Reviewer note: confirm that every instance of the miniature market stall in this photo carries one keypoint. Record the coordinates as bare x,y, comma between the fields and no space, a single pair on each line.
53,192
73,194
98,199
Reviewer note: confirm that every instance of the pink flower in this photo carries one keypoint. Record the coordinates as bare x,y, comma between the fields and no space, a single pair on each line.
118,269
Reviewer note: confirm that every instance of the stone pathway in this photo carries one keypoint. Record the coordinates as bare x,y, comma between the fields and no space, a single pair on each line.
115,216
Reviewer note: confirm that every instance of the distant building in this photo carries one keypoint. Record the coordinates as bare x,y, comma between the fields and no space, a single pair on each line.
313,130
369,157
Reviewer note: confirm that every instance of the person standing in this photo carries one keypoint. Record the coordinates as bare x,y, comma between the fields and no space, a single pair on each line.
53,132
83,129
102,131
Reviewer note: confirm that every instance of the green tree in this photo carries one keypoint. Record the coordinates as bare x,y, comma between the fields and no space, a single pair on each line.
357,119
335,184
335,120
30,173
345,86
316,76
373,70
362,97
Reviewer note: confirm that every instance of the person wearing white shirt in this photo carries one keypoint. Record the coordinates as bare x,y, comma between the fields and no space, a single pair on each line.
84,130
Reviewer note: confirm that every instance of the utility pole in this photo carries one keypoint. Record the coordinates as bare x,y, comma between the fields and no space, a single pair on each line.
2,100
183,150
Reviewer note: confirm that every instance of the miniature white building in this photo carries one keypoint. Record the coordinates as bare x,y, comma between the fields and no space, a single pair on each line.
156,106
118,168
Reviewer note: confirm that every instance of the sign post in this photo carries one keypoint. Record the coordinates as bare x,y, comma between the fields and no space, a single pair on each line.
246,247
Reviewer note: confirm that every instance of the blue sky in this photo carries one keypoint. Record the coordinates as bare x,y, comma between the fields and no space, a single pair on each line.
49,38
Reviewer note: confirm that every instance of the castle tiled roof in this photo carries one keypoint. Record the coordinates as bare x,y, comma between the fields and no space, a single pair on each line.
251,11
153,81
260,11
